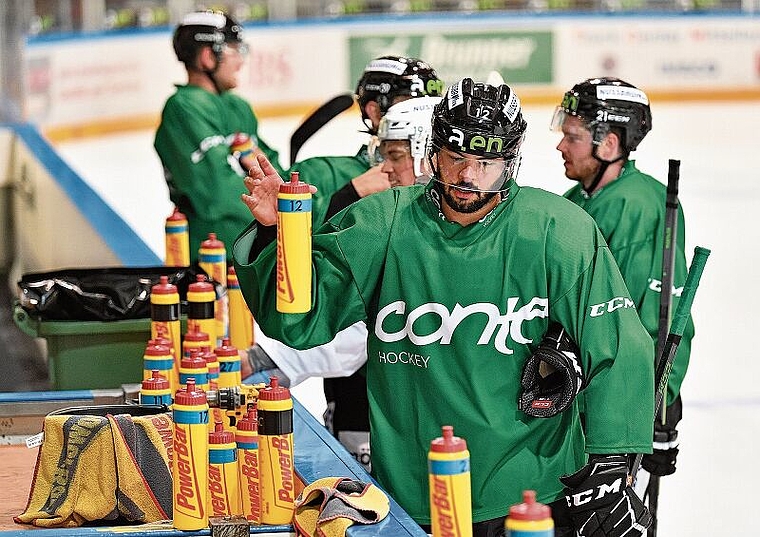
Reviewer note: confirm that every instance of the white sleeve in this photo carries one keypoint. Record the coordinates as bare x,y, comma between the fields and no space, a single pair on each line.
341,357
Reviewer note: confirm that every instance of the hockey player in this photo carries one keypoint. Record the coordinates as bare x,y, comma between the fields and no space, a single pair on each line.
385,81
198,125
494,264
341,180
602,121
402,137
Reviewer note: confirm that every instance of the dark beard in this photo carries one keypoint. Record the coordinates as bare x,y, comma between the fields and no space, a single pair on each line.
466,207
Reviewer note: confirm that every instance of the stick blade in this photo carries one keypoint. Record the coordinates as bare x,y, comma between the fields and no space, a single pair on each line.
318,119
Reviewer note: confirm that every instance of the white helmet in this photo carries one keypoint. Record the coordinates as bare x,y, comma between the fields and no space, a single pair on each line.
410,120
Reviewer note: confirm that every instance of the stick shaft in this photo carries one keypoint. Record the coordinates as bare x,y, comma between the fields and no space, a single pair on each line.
668,253
669,245
680,318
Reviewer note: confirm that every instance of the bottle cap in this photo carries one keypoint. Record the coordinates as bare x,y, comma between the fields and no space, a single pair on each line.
156,381
207,354
294,186
212,242
196,334
176,216
226,349
163,287
219,435
448,443
530,509
232,279
154,349
200,285
190,395
194,361
249,422
161,340
274,392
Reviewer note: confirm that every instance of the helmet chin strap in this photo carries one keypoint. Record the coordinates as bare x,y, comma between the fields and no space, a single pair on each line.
603,165
210,74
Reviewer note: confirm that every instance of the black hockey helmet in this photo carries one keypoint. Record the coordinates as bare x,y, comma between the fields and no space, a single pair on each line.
203,29
481,120
607,104
388,77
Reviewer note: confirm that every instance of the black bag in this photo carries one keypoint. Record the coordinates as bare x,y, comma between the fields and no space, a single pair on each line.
101,294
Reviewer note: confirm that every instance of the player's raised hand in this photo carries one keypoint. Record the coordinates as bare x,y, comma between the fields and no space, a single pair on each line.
263,183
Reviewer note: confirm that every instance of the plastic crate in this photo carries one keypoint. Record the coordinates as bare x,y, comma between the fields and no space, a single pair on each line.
90,354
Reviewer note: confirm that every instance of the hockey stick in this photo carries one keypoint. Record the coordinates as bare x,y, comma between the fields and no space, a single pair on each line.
666,286
680,318
318,119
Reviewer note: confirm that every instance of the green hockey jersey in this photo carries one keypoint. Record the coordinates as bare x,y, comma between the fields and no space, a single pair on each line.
453,313
205,181
630,212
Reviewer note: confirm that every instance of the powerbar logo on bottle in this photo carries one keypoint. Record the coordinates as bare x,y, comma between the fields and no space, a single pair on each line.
249,468
281,445
189,499
444,512
217,496
284,285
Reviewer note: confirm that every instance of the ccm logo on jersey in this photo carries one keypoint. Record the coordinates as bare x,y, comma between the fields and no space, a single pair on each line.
611,305
595,493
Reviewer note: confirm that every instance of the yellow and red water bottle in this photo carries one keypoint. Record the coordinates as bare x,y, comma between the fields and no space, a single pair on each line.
212,258
247,438
223,486
530,518
212,363
241,320
241,145
190,461
155,390
194,339
201,299
164,320
177,240
194,367
450,491
294,246
216,414
158,357
275,411
229,364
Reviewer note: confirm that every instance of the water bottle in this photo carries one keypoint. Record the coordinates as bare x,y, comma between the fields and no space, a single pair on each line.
294,247
530,518
190,460
275,410
449,479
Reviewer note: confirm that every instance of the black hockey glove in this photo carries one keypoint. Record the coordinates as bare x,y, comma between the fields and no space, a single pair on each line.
662,461
602,503
552,376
